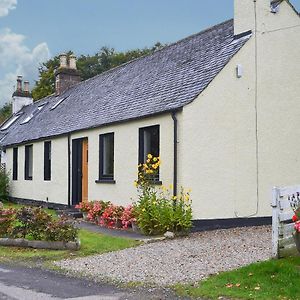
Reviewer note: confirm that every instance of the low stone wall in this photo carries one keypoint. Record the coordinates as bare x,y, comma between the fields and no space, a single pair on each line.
40,244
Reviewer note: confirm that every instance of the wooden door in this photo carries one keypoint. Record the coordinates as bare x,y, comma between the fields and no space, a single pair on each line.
85,169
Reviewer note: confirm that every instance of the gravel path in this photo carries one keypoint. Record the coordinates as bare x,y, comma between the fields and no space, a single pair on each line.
181,260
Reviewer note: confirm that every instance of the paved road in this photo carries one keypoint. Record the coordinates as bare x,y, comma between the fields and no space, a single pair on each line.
24,283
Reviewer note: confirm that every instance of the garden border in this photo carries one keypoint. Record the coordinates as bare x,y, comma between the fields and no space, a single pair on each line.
51,245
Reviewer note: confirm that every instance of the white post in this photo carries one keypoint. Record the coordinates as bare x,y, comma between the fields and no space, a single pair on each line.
275,222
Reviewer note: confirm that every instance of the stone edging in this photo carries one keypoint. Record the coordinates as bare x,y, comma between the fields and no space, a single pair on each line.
40,244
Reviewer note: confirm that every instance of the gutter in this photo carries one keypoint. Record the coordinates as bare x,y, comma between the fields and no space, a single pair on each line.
69,170
175,163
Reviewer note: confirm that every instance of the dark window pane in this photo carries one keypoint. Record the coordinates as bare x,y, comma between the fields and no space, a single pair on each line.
106,157
149,142
47,160
15,164
28,162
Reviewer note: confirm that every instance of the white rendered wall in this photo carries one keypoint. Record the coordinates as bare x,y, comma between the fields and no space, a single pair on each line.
56,190
219,127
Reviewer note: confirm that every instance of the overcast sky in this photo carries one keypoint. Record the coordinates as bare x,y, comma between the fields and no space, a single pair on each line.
31,31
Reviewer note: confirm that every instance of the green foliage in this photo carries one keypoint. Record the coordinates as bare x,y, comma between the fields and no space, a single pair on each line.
4,184
157,211
88,66
46,84
61,230
270,280
7,217
5,112
35,223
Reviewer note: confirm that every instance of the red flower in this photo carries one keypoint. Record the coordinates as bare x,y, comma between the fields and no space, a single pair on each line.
294,218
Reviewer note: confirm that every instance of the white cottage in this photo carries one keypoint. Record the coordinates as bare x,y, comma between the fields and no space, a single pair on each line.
220,107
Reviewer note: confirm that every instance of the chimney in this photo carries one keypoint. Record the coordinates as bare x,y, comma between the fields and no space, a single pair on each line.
72,62
19,83
63,60
21,97
26,87
66,75
249,14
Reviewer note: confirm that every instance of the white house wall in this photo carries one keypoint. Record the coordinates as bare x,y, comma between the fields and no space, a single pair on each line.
56,190
126,139
219,131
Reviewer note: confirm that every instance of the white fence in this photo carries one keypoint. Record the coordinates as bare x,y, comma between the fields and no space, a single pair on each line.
282,225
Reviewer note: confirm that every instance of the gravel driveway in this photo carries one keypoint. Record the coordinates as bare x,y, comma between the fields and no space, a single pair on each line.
181,260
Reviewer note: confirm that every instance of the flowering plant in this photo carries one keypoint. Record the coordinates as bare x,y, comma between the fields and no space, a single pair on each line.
127,217
7,217
158,210
296,218
84,206
96,209
111,215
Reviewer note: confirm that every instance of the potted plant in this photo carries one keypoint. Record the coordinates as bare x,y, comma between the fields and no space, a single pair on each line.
84,207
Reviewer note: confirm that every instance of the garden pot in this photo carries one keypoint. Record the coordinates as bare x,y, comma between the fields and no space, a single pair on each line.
297,240
85,216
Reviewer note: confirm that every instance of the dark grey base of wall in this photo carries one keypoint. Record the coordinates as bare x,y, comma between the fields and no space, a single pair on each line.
202,225
38,203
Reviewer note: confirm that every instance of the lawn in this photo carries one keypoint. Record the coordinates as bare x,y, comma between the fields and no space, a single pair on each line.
270,280
91,243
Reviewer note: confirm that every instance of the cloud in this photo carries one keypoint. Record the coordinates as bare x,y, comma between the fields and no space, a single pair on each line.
6,6
17,59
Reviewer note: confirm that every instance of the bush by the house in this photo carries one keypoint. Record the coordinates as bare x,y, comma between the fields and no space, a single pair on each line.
157,211
35,224
7,218
4,184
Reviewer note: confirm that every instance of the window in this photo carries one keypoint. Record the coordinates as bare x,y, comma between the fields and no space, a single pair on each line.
58,103
148,143
15,163
28,118
47,160
106,157
28,162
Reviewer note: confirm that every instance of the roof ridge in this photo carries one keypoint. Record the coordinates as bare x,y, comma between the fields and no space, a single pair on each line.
159,50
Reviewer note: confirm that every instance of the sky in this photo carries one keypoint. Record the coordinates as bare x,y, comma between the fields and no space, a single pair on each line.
32,31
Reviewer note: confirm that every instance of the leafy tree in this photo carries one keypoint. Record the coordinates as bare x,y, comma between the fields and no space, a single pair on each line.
5,112
88,66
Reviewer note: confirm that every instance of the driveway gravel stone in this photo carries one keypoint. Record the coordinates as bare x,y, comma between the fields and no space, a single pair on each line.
182,260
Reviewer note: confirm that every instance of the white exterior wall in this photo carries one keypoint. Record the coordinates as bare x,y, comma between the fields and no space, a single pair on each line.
56,190
126,147
219,128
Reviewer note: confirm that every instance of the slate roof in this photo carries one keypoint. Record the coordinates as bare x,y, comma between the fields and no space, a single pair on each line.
164,81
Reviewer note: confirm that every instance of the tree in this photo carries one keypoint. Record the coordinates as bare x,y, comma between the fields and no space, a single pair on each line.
5,112
88,66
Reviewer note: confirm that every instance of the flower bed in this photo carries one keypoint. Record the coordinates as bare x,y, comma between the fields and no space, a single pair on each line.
33,227
156,211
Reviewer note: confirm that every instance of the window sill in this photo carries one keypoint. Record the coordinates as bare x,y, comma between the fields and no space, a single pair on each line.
157,182
109,181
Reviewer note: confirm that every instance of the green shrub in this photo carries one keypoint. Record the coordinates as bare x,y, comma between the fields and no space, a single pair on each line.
4,184
7,218
61,230
35,223
157,211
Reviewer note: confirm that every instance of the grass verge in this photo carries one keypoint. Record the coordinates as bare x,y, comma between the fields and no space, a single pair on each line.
91,243
270,280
